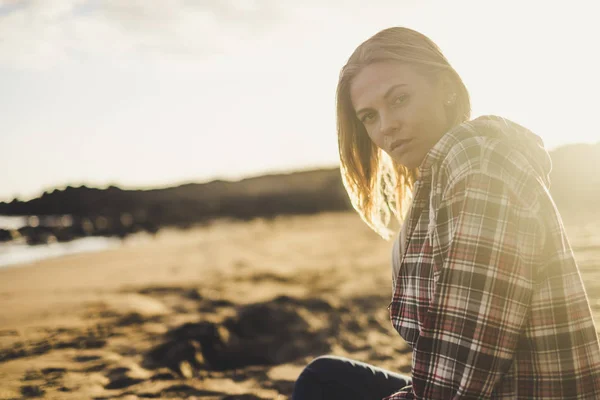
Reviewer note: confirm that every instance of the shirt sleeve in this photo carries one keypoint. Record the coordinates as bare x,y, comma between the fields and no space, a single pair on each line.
485,251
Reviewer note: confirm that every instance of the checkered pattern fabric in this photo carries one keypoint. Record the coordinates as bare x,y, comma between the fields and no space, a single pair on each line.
488,292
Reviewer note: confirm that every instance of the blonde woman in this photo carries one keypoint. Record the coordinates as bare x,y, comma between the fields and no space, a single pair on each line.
486,290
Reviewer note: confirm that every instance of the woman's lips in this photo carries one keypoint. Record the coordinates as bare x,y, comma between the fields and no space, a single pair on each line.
399,143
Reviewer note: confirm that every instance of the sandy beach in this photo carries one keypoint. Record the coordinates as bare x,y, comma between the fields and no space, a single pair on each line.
231,310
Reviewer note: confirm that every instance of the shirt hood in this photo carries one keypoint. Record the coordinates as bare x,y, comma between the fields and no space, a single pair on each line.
491,126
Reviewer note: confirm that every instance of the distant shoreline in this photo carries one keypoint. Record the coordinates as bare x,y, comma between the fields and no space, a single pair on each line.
15,255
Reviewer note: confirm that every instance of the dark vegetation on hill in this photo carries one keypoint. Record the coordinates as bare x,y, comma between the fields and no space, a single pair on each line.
117,212
575,186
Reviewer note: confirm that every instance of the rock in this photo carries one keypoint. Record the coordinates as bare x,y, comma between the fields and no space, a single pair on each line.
268,333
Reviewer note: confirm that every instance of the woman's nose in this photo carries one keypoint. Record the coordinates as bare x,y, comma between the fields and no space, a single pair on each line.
389,123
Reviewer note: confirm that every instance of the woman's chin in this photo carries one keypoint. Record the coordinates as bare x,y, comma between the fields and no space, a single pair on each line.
405,161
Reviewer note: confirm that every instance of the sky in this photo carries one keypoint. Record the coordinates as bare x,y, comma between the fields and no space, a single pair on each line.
141,94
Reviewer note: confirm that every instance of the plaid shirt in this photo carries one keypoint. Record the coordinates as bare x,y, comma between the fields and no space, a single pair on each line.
488,294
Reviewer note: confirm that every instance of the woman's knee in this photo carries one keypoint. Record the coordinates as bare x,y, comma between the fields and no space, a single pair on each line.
322,364
309,383
319,367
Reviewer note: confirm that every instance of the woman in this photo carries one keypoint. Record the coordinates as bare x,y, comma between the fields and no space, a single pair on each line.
486,290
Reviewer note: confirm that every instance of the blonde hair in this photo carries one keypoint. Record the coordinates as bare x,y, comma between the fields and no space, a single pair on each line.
377,186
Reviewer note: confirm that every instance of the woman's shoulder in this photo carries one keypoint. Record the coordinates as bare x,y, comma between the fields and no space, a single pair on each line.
481,153
495,158
494,145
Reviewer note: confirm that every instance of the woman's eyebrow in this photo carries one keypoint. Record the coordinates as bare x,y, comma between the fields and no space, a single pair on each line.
391,89
385,96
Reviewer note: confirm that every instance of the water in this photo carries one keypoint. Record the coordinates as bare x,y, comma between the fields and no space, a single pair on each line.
18,252
14,253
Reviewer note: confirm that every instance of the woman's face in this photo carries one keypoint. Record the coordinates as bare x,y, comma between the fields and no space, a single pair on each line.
403,112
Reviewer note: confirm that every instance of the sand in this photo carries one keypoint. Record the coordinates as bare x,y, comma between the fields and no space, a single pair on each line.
232,310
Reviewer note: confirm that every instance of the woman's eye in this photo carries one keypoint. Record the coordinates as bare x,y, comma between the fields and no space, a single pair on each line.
400,99
367,117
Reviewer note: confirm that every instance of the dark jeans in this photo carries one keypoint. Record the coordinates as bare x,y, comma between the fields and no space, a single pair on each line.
332,377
